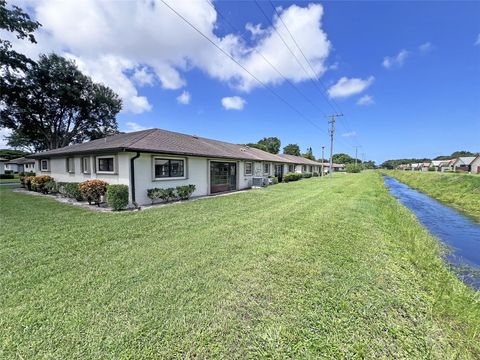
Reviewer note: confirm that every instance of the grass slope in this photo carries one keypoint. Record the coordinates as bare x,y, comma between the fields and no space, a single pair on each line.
333,268
461,191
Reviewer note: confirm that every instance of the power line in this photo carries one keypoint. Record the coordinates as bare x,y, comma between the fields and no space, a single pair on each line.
243,67
307,61
268,62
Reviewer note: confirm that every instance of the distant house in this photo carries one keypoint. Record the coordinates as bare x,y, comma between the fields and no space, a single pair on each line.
416,166
156,158
463,163
425,166
475,165
2,165
21,164
404,167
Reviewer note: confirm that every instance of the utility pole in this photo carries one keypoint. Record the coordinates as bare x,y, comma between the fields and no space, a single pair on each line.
356,150
323,150
332,131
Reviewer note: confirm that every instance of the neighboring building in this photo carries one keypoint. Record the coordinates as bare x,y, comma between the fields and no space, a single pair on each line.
475,165
416,166
21,164
157,158
2,165
299,164
463,163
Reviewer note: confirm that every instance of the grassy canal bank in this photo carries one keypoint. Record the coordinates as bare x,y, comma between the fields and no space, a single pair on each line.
317,268
461,191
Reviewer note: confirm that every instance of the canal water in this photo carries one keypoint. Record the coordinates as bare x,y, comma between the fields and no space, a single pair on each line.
460,233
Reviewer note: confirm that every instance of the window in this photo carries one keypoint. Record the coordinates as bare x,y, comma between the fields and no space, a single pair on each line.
168,168
266,168
248,168
44,165
86,165
70,163
304,168
291,168
105,164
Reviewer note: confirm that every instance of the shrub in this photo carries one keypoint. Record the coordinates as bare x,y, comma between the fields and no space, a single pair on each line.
153,194
352,168
20,174
93,190
167,194
50,187
70,190
8,172
307,175
27,182
273,180
7,176
292,177
117,196
316,174
38,183
184,192
431,169
31,173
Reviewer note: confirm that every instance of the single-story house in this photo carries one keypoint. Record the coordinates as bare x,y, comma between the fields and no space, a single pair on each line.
416,166
475,165
425,166
299,164
2,165
463,163
156,158
21,164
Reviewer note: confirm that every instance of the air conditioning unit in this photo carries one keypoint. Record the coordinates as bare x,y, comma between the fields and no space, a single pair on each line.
259,181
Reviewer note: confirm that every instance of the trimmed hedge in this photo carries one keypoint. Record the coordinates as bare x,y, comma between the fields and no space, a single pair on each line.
7,176
93,190
274,180
117,196
307,175
179,193
292,177
184,192
70,190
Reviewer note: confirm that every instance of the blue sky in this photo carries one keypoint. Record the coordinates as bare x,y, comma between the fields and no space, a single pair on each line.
417,66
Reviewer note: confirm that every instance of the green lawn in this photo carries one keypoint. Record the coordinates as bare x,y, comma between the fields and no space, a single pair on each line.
321,267
461,191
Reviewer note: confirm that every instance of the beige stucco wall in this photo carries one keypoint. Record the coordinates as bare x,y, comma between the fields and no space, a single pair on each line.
476,166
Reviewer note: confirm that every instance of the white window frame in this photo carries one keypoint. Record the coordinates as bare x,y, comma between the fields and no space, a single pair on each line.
251,168
160,157
268,171
48,165
291,168
86,169
97,168
68,168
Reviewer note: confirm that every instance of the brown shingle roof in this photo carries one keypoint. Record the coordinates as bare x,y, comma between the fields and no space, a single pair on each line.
165,142
21,160
299,159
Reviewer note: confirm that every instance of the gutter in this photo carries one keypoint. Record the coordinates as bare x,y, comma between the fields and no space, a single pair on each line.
132,177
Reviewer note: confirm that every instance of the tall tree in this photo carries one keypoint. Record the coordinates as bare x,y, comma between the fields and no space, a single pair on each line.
55,105
309,154
292,149
16,21
342,158
257,146
272,144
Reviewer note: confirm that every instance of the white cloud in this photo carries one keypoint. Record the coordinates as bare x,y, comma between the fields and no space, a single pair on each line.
478,40
159,47
133,126
346,87
425,48
143,76
390,62
255,30
365,100
350,134
233,103
184,98
3,133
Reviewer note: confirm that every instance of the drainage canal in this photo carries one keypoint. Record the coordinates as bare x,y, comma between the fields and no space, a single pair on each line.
460,233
